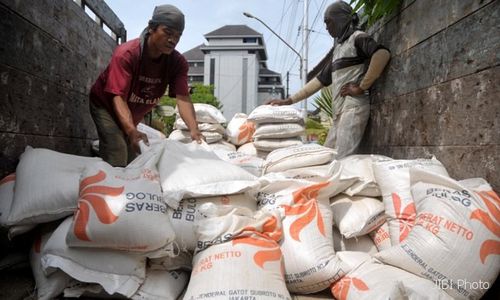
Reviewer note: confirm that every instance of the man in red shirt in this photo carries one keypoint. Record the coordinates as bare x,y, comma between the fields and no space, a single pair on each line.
137,77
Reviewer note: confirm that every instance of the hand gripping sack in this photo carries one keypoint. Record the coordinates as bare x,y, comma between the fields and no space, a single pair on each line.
298,157
240,131
116,271
393,178
122,208
276,114
456,238
374,281
356,216
241,257
183,217
307,245
193,171
46,186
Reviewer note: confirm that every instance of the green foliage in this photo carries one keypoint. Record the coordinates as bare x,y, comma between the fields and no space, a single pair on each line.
324,102
201,94
314,127
374,10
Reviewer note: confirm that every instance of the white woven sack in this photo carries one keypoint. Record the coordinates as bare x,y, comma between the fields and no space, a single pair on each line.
182,261
162,285
455,241
277,114
268,145
326,294
279,130
215,127
150,132
184,217
116,271
361,166
241,256
298,157
47,286
356,215
310,261
184,136
46,186
359,244
6,197
381,237
240,131
375,281
393,178
192,170
250,163
248,148
122,208
206,113
222,146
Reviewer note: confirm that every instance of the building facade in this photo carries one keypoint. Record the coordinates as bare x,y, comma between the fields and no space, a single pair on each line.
234,62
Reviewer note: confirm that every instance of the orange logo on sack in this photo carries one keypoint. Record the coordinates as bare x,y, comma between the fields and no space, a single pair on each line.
271,233
305,204
8,178
406,218
341,288
492,201
92,195
246,131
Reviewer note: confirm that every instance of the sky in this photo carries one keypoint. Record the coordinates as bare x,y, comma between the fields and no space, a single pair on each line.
203,16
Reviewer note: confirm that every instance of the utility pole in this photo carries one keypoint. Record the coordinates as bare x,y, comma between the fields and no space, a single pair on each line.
287,84
305,43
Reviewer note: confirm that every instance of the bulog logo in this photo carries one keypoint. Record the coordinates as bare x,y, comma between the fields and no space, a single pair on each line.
91,195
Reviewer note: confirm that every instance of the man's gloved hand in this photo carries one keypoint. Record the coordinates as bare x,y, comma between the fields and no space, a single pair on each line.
287,101
134,137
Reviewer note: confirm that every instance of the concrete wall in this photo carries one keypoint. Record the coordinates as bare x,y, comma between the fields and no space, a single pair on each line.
440,93
51,52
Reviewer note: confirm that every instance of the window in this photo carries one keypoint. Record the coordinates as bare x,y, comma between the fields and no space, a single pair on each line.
250,40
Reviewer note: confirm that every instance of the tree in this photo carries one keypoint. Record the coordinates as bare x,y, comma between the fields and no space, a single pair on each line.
373,10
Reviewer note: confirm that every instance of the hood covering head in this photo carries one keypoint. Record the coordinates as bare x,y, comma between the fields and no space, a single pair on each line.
167,15
344,20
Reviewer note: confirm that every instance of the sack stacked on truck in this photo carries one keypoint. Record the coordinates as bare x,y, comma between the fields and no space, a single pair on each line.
300,156
456,238
373,280
192,170
238,256
240,130
393,178
307,245
123,208
184,217
209,120
46,186
250,163
277,127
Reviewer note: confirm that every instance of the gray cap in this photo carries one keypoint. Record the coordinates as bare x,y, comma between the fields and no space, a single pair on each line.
169,16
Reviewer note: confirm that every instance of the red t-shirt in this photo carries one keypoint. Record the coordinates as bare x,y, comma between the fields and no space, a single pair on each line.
141,83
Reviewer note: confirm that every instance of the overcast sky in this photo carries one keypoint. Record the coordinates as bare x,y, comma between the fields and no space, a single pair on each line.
203,16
